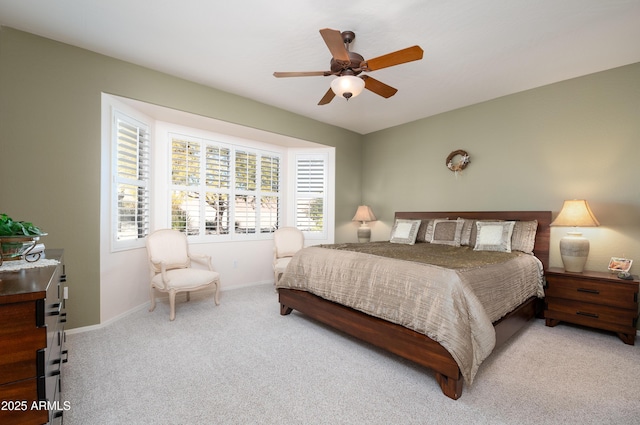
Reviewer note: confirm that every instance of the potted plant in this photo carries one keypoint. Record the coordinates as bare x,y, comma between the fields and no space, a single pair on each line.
17,239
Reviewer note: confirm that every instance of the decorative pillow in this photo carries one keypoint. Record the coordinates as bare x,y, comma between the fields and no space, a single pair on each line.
424,224
524,236
447,232
405,231
494,236
428,234
470,231
467,227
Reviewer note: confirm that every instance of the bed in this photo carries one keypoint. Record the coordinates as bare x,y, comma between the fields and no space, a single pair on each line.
434,351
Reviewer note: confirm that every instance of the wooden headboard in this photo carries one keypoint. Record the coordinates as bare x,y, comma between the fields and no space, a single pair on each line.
541,247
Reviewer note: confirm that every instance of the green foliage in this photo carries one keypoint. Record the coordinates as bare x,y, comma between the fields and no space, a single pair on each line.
9,227
317,213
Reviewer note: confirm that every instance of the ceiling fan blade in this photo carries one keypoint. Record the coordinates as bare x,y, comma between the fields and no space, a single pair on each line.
328,97
378,87
333,40
301,74
409,54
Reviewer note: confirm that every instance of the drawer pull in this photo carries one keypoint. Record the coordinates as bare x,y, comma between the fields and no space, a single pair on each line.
41,388
582,313
40,369
589,291
40,321
55,309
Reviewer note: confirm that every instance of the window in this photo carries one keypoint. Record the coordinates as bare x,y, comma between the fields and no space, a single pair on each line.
270,193
212,180
311,194
200,183
131,180
222,189
257,194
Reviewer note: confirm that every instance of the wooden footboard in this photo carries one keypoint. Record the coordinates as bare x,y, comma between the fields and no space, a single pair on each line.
397,339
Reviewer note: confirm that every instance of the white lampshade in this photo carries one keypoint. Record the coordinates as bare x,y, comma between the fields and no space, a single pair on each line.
574,248
347,86
363,215
576,213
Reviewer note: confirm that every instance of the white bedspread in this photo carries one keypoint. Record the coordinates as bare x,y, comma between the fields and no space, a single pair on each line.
453,307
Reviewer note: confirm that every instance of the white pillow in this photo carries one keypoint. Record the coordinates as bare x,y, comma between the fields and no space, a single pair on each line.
405,231
494,236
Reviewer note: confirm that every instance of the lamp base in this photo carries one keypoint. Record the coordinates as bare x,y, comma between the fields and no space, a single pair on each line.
364,233
574,250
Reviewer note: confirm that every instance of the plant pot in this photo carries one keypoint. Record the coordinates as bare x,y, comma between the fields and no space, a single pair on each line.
18,247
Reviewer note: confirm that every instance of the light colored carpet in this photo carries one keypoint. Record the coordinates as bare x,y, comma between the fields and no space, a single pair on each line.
243,363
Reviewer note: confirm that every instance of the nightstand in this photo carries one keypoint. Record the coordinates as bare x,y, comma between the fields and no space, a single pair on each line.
596,299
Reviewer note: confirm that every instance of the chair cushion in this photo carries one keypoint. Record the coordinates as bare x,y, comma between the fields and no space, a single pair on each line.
186,279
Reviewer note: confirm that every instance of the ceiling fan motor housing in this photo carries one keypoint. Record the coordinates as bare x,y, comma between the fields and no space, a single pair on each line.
356,60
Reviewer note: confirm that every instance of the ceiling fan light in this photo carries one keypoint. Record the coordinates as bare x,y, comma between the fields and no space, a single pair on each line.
347,86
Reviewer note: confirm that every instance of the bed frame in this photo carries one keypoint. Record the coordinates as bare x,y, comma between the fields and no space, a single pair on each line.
405,342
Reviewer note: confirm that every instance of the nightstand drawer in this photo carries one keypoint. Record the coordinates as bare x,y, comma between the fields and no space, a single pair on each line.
592,298
594,315
608,293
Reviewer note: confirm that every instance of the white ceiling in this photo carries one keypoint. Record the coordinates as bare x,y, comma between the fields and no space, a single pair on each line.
474,50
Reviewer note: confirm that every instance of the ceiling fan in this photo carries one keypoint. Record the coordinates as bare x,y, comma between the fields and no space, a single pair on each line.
348,65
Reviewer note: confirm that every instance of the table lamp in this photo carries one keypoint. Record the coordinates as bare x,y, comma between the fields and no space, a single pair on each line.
364,215
574,248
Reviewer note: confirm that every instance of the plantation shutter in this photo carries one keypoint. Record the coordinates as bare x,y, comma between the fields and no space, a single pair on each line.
218,183
220,189
310,192
185,185
132,176
270,190
245,193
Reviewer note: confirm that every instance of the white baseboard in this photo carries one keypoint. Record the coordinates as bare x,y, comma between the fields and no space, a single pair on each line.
107,322
161,298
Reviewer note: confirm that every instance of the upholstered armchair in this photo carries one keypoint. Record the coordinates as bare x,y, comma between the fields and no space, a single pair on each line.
286,242
170,268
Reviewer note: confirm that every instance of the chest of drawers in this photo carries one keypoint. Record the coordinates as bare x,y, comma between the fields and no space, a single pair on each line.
32,319
596,299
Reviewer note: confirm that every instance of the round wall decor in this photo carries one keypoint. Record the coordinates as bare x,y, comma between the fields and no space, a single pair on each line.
457,160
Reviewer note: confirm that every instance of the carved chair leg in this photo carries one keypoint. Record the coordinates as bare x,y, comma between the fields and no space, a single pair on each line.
216,295
152,293
172,304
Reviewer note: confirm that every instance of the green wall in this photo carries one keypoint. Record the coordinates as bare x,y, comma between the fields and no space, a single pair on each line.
579,138
50,145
